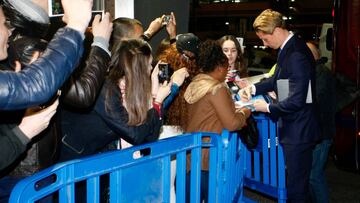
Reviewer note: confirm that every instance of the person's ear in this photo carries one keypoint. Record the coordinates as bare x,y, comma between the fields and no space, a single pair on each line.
221,69
276,30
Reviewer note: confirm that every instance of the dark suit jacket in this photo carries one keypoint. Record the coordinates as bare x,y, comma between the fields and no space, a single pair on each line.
297,119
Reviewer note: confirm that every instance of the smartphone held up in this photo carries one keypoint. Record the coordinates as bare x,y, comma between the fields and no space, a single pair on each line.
55,8
166,19
165,72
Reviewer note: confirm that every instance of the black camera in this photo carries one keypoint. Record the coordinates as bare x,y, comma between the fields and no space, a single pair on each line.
165,72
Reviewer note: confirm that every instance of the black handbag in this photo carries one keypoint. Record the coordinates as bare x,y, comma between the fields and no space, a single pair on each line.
249,134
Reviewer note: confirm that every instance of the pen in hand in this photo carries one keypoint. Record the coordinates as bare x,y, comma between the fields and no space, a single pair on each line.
245,94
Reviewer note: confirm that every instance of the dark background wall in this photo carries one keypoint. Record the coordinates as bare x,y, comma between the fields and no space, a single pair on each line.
147,10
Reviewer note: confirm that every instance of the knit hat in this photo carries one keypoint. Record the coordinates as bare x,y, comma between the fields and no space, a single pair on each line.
30,10
188,42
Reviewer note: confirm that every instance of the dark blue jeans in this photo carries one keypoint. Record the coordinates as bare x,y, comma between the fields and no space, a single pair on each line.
318,184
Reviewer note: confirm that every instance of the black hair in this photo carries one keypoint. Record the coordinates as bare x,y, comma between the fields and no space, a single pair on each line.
210,56
22,49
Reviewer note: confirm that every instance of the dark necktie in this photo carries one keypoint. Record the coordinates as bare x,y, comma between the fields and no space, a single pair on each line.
279,53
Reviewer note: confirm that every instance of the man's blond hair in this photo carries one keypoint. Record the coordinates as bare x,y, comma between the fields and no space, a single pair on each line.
268,20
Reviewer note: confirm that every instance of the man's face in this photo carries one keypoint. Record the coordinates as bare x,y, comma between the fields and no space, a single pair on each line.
4,35
270,40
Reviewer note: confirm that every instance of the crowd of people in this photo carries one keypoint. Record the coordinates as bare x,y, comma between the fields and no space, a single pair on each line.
73,99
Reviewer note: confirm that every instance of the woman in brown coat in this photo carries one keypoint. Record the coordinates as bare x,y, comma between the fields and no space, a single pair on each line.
210,106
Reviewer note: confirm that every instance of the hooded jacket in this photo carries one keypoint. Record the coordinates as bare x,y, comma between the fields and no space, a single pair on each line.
211,109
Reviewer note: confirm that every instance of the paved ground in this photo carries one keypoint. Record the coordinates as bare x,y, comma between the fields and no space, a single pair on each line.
344,187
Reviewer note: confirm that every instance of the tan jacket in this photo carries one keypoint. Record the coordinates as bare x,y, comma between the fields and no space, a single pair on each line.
211,109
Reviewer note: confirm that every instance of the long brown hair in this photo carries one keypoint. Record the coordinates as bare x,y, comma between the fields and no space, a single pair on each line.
177,113
130,60
240,62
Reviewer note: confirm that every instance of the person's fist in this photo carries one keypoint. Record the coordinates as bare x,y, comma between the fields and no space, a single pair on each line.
179,76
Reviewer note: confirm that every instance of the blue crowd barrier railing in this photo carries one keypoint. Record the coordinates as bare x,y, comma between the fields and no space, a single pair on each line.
232,164
144,179
147,178
265,165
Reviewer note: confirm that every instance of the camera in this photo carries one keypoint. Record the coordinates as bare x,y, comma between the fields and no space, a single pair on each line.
166,19
165,72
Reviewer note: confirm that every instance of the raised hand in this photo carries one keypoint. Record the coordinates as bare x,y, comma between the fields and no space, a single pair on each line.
179,76
163,92
154,27
102,27
77,14
171,27
155,80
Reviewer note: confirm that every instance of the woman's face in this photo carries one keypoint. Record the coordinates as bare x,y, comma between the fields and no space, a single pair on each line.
230,51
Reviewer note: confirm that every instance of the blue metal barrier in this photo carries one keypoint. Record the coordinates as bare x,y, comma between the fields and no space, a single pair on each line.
232,164
145,179
265,166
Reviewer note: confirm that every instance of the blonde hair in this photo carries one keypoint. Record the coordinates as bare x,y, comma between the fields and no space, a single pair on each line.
268,20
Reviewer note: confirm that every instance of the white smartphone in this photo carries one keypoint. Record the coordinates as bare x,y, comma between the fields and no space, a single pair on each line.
55,8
